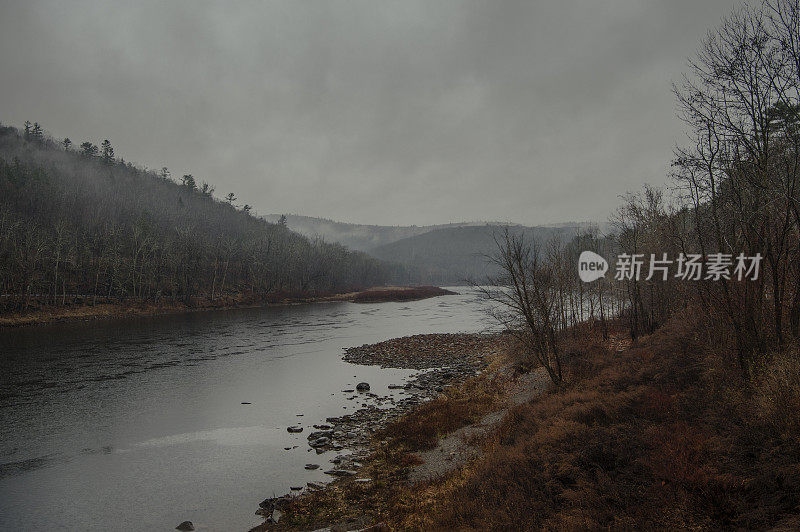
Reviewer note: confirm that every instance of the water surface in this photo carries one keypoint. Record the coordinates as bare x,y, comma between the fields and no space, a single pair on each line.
138,423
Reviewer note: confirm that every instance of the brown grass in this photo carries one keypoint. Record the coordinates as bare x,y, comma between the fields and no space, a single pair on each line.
453,409
80,309
663,434
652,437
399,293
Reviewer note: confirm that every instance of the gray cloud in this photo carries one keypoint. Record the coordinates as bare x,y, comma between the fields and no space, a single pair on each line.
398,112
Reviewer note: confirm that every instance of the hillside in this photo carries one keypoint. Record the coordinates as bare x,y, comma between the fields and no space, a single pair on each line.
457,254
439,254
359,237
84,225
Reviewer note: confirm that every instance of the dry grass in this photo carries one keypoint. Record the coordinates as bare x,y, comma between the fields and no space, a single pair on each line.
78,308
661,435
402,293
453,409
777,394
652,437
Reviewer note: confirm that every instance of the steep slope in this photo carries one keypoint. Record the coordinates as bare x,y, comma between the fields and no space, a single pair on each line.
78,225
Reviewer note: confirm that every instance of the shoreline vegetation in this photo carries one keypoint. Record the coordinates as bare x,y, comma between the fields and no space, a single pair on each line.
78,309
649,433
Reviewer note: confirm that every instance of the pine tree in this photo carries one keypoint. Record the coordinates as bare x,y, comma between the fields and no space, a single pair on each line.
188,181
37,135
108,152
88,149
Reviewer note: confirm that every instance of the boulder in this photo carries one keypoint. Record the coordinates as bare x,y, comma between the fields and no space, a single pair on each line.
320,434
362,387
320,442
294,430
186,525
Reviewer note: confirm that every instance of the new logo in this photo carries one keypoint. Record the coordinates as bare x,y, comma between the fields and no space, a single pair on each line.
591,266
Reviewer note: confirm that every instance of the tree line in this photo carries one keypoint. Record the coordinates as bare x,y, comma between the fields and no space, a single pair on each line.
735,191
83,223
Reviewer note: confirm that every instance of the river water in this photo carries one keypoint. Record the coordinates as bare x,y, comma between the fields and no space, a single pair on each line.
139,423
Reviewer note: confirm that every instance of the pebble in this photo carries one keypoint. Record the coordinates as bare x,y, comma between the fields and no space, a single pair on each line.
445,358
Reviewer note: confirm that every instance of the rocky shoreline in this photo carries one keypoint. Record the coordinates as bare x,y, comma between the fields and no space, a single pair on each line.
444,360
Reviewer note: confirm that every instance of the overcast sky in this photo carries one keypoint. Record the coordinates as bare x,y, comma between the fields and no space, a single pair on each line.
368,111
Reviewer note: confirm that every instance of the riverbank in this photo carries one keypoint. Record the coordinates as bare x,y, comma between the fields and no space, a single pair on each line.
463,378
80,309
657,434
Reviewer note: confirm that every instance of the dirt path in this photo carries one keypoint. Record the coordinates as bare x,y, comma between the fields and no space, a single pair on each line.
457,448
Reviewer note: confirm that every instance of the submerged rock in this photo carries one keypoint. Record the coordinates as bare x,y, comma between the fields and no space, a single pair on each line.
340,472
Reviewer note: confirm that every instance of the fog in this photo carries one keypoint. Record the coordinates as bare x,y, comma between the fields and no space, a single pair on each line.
370,112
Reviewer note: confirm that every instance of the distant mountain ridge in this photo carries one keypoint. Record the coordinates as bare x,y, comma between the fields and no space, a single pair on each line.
365,237
456,255
438,254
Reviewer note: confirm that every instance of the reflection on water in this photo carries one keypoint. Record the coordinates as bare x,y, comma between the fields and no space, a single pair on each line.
139,423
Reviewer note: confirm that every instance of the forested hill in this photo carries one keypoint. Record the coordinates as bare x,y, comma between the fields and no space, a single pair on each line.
357,236
457,254
84,223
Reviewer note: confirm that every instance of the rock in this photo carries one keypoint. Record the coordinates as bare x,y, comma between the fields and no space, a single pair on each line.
362,387
340,472
312,466
274,503
186,525
319,442
296,488
246,403
294,430
320,434
275,516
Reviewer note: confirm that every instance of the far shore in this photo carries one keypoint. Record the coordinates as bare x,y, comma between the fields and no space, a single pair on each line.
81,309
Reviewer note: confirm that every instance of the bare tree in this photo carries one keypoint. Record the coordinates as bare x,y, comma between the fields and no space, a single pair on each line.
525,299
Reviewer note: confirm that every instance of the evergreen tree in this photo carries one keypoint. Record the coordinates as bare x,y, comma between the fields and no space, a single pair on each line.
88,149
188,181
108,152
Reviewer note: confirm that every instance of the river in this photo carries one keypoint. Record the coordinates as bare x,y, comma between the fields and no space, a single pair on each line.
139,423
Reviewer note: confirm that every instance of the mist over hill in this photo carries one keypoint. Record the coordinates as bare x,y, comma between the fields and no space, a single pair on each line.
82,223
455,255
360,237
438,254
